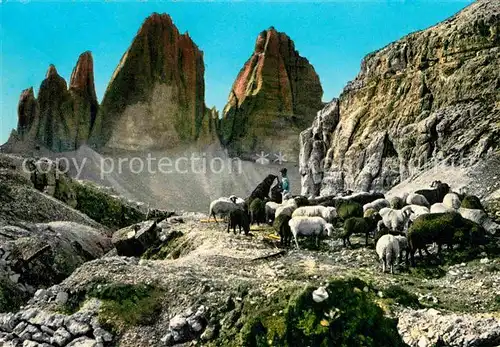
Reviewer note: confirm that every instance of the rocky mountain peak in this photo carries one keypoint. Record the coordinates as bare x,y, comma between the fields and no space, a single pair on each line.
51,72
27,111
276,88
82,77
155,98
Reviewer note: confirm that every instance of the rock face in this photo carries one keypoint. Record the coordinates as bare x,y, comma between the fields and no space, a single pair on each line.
60,119
155,98
276,93
430,97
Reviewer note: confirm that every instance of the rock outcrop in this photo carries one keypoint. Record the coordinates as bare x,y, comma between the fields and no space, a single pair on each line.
60,119
431,97
155,98
275,95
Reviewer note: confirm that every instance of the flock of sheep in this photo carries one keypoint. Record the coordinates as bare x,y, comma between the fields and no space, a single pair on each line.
401,225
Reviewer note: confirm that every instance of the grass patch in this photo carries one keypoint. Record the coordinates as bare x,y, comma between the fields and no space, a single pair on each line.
11,297
402,296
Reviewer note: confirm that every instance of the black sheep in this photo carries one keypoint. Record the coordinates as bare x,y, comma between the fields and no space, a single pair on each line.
436,194
238,218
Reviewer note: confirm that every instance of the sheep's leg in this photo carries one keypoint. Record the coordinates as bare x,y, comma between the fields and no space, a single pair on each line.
412,256
317,241
213,214
383,264
392,268
296,243
228,227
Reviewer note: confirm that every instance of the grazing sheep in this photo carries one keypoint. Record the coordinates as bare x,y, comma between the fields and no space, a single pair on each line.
452,200
376,205
397,203
388,251
271,207
436,194
417,199
417,210
257,211
480,217
443,229
348,209
282,228
286,208
356,225
327,213
310,226
396,220
403,246
222,206
363,198
370,212
238,218
440,207
472,202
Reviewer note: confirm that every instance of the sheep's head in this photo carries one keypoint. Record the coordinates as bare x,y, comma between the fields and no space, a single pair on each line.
406,212
233,198
329,229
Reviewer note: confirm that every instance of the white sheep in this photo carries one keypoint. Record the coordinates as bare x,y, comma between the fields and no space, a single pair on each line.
417,199
388,251
480,217
286,208
417,210
376,205
440,207
238,201
222,206
310,226
403,246
396,220
271,207
327,213
452,200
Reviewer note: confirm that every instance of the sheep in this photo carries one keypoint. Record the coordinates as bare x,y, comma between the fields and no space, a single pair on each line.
440,207
436,194
417,210
357,225
396,220
348,209
363,198
257,211
282,228
238,218
397,203
271,207
238,201
417,199
452,200
403,246
442,228
327,213
388,251
472,202
310,226
286,208
376,205
480,217
222,206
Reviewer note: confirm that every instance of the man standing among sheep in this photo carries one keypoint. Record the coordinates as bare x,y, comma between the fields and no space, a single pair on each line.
285,184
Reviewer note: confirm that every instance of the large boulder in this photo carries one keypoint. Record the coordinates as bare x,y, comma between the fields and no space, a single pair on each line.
277,89
134,240
428,99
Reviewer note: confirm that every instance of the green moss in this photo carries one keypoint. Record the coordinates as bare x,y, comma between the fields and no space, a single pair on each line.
104,209
349,317
349,209
123,305
172,248
402,296
472,201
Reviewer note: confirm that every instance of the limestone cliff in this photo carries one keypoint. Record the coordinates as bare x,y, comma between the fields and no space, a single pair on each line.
276,94
155,98
432,96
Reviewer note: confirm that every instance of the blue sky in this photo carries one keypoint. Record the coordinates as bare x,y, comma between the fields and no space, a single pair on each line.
334,36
